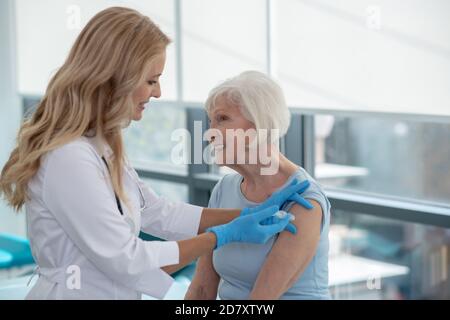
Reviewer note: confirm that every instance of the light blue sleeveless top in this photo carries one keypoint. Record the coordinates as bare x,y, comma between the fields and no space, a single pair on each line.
238,264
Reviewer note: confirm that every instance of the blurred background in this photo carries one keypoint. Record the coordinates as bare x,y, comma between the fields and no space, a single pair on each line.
368,84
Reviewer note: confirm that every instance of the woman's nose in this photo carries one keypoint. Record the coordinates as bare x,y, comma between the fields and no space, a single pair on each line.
157,91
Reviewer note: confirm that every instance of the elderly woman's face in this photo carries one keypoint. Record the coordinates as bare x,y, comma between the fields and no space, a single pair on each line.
227,118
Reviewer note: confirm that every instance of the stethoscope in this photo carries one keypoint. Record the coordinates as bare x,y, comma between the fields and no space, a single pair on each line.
142,203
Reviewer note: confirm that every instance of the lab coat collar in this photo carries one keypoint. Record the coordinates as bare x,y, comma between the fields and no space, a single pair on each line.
99,143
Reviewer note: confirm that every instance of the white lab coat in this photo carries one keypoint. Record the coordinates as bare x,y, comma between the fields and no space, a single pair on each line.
77,233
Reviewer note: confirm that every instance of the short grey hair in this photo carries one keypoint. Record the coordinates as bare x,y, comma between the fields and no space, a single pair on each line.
259,98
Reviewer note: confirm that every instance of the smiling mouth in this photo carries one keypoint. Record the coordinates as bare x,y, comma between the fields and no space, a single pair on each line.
142,104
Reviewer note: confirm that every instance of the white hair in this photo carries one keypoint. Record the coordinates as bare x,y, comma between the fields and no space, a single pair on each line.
259,98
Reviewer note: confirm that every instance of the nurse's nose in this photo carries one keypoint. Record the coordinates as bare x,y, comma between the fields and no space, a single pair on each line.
157,92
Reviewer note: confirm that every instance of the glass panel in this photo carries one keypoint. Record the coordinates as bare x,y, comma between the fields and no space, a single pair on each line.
388,56
377,258
384,156
148,142
170,190
220,40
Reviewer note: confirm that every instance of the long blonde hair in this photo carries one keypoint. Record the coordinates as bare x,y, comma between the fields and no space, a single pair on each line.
91,91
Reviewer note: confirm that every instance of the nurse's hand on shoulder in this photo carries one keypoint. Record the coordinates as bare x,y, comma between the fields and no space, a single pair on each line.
250,228
291,192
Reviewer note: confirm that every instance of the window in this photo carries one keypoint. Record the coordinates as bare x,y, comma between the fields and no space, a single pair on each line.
377,258
148,142
172,191
364,55
220,40
380,155
44,43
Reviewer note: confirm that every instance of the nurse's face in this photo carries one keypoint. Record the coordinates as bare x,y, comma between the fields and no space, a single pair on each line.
225,116
150,88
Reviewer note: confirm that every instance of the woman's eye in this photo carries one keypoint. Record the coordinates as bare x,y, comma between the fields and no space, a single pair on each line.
151,82
222,118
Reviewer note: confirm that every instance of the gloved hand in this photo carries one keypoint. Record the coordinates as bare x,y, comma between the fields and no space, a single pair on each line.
289,193
249,228
280,215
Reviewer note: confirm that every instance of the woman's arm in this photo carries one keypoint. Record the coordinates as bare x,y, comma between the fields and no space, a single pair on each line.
191,249
163,218
205,281
213,217
290,255
243,229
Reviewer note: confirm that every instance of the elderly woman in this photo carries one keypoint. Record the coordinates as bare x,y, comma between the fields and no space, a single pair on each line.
288,266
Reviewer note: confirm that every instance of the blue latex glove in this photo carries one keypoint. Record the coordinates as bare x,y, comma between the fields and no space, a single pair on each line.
249,228
280,215
289,193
